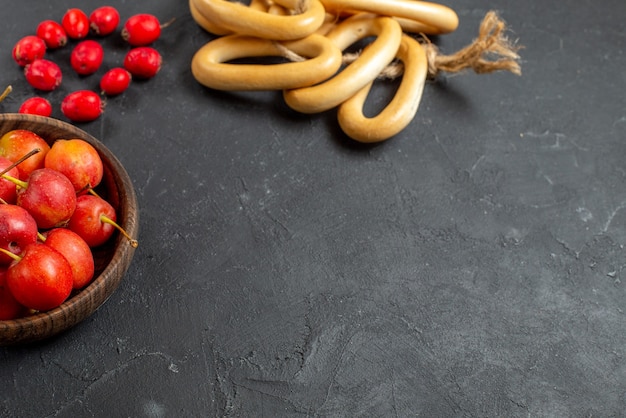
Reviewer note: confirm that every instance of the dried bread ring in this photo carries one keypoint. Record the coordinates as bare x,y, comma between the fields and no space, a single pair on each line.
245,20
436,18
210,68
211,27
413,26
372,60
399,111
205,23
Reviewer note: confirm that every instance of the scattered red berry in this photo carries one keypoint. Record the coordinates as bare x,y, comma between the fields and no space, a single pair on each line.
82,106
43,74
115,81
86,57
143,62
28,49
104,20
76,23
141,29
52,33
36,106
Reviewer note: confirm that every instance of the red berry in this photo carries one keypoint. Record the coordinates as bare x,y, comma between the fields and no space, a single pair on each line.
76,23
43,75
143,62
86,57
28,49
115,81
104,20
36,106
141,29
82,106
52,33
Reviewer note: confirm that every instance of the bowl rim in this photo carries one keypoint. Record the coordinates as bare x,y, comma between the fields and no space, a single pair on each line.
43,325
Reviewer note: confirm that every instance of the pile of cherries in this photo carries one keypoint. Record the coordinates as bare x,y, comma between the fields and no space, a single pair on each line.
141,61
51,220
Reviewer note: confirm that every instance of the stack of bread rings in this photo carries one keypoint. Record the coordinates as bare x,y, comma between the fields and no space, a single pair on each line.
313,35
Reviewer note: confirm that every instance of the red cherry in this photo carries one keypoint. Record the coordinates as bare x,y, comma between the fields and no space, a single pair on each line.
82,106
52,33
78,160
18,143
28,49
18,229
43,74
36,106
8,189
41,278
76,251
86,57
141,29
48,196
76,23
143,62
104,20
9,307
87,220
115,81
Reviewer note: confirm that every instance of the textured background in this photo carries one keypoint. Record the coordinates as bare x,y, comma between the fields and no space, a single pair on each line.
471,266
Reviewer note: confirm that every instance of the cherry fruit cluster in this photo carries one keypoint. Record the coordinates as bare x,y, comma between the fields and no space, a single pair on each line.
51,220
87,56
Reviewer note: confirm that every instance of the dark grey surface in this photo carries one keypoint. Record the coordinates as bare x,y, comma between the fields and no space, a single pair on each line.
473,266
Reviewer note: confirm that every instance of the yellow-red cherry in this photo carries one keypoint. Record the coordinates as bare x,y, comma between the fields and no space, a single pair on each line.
78,160
77,253
41,278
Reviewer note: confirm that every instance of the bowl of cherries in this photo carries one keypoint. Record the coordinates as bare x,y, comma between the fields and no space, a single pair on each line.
68,226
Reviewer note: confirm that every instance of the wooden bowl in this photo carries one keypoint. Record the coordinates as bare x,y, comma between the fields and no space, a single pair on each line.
111,259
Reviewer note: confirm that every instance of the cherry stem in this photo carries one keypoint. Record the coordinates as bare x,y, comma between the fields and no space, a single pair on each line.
6,92
18,182
93,192
20,160
169,22
10,254
133,242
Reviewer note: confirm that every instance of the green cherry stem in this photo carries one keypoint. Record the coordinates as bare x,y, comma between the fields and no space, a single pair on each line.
5,93
10,254
133,242
18,182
